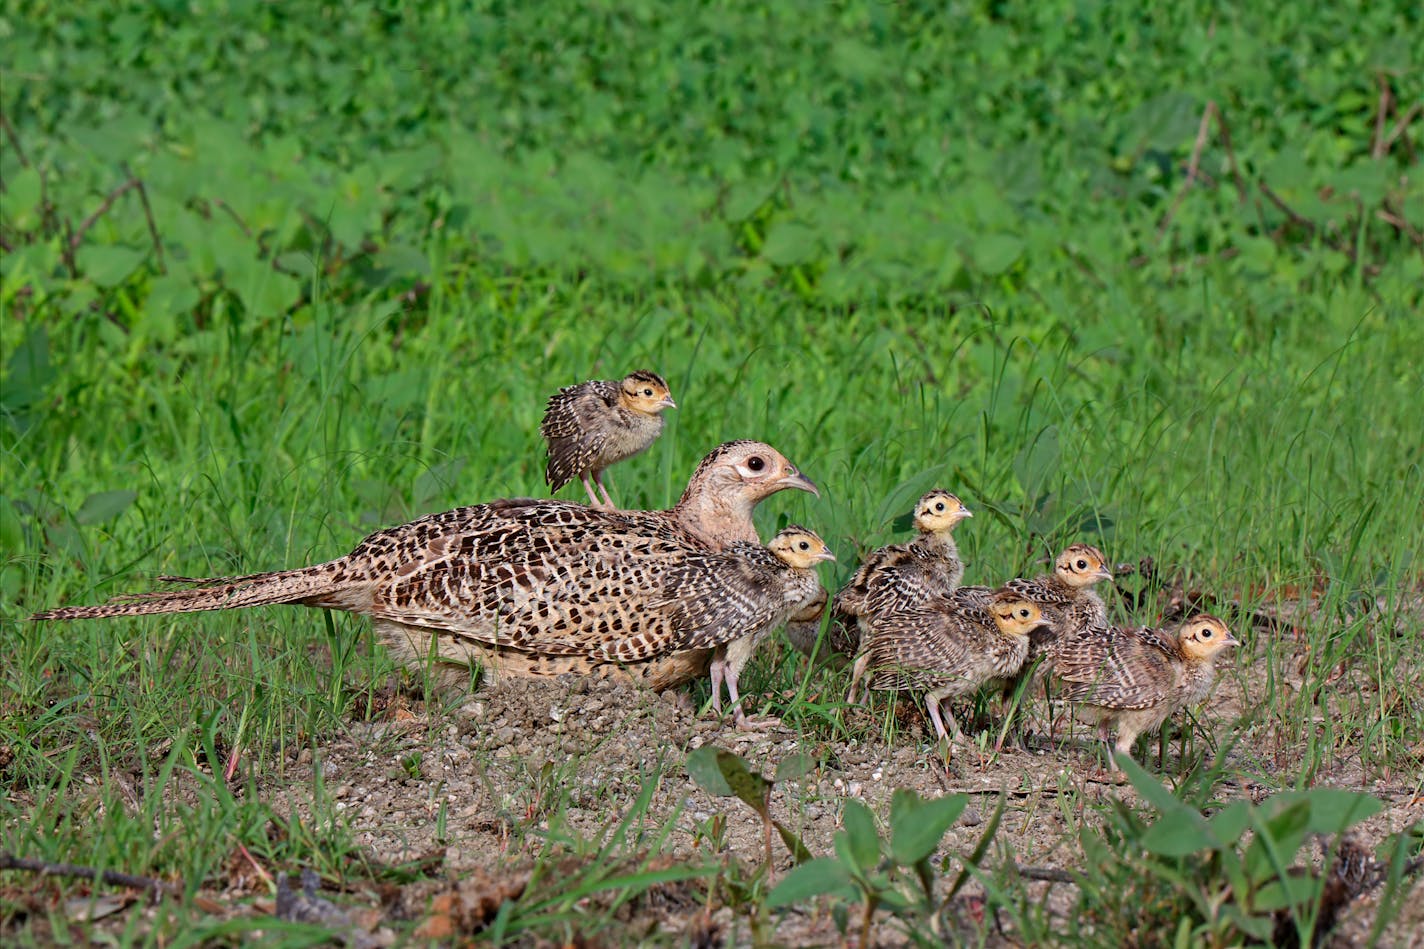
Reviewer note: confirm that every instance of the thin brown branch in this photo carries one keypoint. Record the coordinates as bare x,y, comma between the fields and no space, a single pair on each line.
152,227
1401,126
1397,221
247,231
9,861
1232,163
66,249
1378,148
1192,165
99,212
1307,223
14,138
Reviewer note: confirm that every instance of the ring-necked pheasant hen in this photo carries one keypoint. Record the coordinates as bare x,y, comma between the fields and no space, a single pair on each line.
529,587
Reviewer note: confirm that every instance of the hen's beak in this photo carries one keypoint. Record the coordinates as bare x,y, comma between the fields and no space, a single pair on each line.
795,479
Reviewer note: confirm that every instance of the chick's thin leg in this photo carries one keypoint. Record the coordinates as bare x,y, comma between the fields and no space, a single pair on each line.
593,500
857,672
607,498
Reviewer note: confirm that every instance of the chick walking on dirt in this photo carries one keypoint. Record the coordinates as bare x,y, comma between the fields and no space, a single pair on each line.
949,652
788,586
1133,679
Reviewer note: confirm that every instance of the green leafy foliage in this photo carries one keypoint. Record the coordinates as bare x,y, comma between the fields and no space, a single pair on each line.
275,275
1233,876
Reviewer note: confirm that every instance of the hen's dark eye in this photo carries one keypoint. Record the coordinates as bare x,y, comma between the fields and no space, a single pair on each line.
1082,565
756,463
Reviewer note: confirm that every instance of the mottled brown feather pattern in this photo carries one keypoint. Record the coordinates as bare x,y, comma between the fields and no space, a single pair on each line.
900,577
948,651
590,426
1133,678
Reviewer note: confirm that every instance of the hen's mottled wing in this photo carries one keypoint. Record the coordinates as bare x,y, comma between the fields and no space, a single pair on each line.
1117,668
575,425
549,577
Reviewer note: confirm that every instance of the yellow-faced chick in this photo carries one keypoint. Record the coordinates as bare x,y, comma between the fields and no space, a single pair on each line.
948,651
1132,679
900,576
789,565
595,424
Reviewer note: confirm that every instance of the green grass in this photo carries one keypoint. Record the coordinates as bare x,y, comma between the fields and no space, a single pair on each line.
906,244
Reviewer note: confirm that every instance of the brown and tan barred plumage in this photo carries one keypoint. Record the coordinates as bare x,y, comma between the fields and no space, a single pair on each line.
596,424
948,652
901,576
789,562
1066,594
1133,678
527,587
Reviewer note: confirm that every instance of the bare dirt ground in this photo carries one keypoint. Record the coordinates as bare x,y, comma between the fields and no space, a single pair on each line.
523,759
474,793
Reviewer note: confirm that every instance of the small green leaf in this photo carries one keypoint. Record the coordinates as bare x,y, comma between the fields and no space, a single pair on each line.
1177,835
108,264
863,843
995,253
1293,889
903,804
1229,823
104,506
794,766
703,769
818,877
1333,810
800,853
1153,791
917,833
789,243
723,774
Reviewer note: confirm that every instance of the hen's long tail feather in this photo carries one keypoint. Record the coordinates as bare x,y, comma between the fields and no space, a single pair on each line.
317,585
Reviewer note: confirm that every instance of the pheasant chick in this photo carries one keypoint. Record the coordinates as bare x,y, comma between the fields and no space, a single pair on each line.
949,653
798,550
596,424
1133,679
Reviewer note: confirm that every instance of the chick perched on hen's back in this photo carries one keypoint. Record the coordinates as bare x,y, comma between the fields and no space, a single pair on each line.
596,424
1134,678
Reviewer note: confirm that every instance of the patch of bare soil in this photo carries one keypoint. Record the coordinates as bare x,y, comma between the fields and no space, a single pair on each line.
526,761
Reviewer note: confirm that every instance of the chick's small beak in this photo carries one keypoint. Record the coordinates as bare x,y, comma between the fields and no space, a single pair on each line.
795,479
826,555
1230,640
965,512
666,402
1104,574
